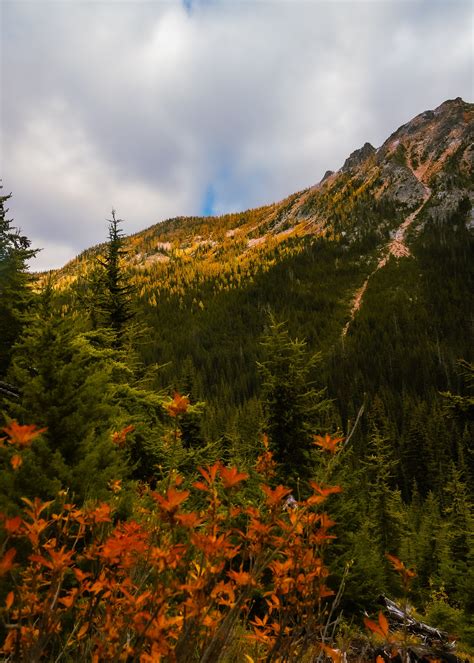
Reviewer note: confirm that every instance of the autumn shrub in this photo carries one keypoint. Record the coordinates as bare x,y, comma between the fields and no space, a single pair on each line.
177,581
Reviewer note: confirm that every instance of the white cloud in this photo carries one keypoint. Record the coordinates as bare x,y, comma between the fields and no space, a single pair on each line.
145,105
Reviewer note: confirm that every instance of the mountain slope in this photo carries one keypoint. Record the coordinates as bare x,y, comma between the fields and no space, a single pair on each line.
318,259
366,200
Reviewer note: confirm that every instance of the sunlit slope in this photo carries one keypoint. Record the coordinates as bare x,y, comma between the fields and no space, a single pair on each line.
364,202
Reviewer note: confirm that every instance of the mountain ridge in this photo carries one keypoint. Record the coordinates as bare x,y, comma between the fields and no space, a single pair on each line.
367,201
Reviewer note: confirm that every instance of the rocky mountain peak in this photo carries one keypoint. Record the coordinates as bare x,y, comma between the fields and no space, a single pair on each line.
327,174
452,103
357,157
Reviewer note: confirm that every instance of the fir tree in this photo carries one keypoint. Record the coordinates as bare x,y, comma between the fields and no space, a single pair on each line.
459,522
292,405
66,381
115,300
383,499
15,293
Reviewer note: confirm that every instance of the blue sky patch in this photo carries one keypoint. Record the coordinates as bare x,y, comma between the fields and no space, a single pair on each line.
207,206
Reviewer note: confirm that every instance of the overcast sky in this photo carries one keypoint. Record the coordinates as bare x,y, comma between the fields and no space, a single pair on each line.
162,109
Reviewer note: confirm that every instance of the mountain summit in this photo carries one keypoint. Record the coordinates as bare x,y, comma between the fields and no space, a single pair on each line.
358,157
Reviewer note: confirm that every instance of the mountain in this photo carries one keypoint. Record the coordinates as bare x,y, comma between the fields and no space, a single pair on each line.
368,198
372,265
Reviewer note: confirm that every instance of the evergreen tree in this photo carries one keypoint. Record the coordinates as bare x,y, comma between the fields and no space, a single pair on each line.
463,406
457,570
415,452
383,500
15,293
115,300
88,293
66,383
293,407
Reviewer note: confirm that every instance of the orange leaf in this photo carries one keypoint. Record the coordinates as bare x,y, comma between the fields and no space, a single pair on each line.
16,461
12,525
9,600
179,405
210,472
101,513
326,521
6,563
200,485
315,499
324,592
21,435
380,628
400,567
327,442
68,600
231,476
325,490
274,497
188,519
80,575
373,626
82,631
172,500
334,654
383,623
241,577
395,562
120,437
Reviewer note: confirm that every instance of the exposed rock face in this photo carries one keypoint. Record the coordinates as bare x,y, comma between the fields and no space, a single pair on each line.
401,184
433,139
358,157
327,174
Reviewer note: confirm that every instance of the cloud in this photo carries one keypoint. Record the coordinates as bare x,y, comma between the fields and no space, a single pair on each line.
173,108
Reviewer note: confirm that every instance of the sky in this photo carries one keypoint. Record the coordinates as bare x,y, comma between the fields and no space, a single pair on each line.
201,107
